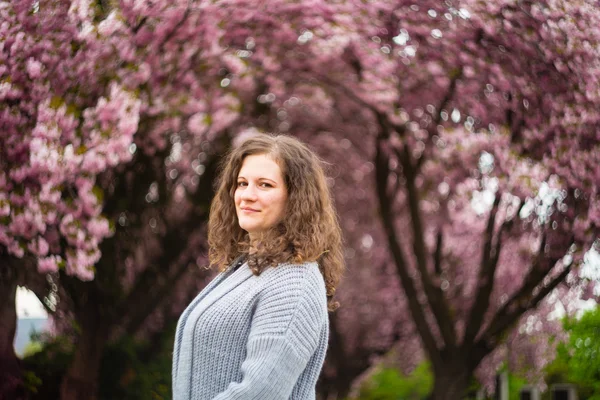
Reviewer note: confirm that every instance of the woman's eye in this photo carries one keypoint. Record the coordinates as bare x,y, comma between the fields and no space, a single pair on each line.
264,184
240,184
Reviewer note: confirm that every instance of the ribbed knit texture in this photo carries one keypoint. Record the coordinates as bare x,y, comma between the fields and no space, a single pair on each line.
253,337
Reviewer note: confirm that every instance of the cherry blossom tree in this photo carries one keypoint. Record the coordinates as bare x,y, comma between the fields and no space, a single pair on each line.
485,150
60,126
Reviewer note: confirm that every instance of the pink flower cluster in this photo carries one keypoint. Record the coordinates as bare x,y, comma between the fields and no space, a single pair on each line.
59,128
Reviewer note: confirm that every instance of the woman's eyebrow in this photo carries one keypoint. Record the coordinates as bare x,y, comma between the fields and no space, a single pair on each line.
261,178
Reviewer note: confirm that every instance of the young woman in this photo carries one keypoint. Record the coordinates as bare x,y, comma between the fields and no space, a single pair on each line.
259,330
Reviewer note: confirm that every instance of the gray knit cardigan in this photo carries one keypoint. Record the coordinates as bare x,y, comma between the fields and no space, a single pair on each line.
253,337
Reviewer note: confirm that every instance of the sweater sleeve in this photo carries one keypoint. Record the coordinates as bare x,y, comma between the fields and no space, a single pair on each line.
288,320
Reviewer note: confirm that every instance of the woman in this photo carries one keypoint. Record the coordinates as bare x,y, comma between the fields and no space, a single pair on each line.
259,330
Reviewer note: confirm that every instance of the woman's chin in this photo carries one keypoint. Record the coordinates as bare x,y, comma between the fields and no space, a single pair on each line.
250,228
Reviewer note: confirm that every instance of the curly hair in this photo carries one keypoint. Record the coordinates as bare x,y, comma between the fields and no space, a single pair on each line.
309,230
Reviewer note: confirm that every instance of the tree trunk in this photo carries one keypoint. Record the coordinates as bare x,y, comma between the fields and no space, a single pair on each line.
343,368
451,381
81,378
11,379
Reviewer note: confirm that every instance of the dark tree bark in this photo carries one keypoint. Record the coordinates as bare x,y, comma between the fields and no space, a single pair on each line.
451,380
337,385
11,379
80,380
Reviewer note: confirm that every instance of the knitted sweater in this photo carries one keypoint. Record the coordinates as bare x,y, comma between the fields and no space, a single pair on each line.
253,337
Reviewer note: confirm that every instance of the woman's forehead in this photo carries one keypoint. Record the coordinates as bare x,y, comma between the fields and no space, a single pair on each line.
260,165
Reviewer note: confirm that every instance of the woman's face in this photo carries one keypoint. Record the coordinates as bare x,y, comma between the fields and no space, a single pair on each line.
260,194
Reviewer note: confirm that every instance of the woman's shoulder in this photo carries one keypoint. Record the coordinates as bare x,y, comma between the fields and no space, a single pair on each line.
295,286
303,275
295,270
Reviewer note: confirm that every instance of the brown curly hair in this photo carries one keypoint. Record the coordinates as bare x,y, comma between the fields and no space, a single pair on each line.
309,230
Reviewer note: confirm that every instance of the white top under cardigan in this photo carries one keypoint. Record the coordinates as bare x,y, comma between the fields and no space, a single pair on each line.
253,337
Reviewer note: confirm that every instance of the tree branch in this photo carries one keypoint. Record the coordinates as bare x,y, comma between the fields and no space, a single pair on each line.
381,117
186,14
487,270
522,300
382,173
435,295
437,256
503,321
455,76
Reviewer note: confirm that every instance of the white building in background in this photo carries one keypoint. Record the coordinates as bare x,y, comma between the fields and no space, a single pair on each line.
31,318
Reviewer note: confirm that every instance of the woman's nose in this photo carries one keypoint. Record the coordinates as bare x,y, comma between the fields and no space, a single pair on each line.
249,193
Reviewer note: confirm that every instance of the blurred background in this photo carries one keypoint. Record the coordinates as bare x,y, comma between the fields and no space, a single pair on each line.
462,144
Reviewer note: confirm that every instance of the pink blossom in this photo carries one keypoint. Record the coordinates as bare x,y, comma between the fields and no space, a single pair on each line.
48,265
110,24
197,123
15,249
34,68
39,247
98,227
81,264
